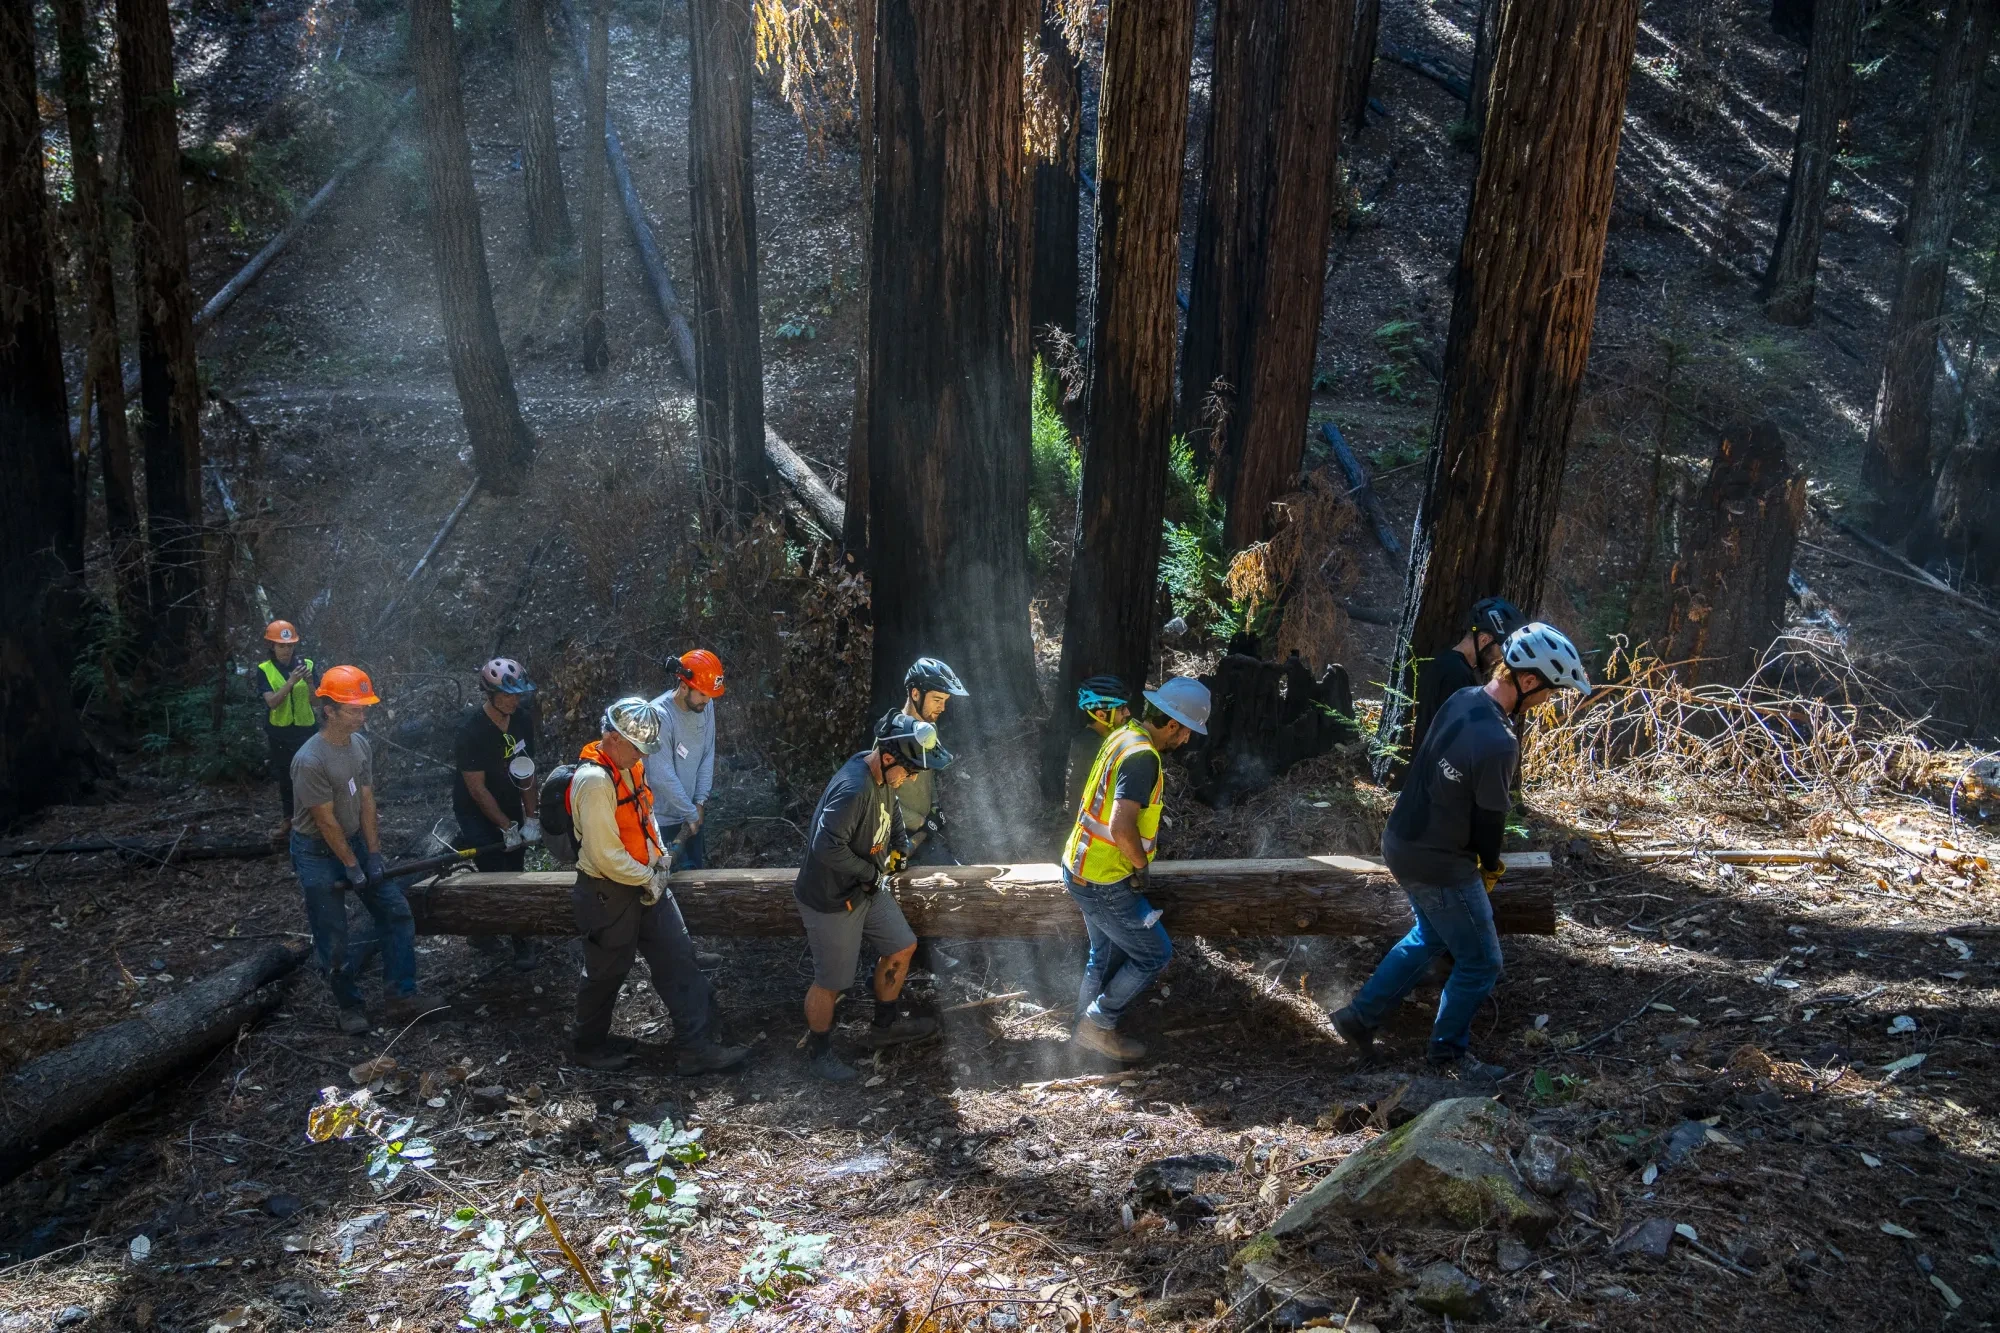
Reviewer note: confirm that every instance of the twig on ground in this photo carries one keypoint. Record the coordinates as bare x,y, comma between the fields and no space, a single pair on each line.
1636,1013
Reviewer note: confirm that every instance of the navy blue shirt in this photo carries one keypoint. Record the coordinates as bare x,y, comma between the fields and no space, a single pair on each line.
1455,800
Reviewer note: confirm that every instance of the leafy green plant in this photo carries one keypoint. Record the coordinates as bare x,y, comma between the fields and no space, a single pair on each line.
1392,377
1546,1087
779,1262
1055,471
1192,560
797,329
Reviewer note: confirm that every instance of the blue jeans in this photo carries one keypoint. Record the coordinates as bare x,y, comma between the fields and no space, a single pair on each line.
1457,917
1125,953
324,881
693,854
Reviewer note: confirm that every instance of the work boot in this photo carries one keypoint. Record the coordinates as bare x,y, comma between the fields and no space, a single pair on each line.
1106,1042
706,1057
906,1027
1465,1067
406,1008
353,1022
605,1057
1353,1031
831,1068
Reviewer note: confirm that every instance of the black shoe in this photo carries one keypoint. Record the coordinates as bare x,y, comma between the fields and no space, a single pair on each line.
1465,1067
907,1027
831,1068
1354,1032
707,1057
606,1058
353,1022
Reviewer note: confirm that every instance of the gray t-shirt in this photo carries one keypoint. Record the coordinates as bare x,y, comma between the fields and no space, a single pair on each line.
1459,775
322,772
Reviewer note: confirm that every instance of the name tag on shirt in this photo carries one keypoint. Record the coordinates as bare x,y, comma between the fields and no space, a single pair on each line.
680,750
352,789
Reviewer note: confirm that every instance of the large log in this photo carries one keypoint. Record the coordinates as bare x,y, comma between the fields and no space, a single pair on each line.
52,1100
1308,895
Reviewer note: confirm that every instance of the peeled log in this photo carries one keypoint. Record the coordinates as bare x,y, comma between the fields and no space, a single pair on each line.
52,1100
1309,895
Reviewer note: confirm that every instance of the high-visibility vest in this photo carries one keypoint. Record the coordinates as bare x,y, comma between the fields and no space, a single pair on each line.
295,709
1091,854
636,828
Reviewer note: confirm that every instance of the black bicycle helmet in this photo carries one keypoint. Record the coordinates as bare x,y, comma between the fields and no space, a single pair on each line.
1102,692
1497,616
929,673
913,743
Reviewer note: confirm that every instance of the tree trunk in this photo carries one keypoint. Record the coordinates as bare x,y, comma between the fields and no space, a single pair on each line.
1959,526
1359,63
105,362
1053,292
1141,138
1796,19
43,756
502,446
1791,279
1728,589
948,349
1266,214
1896,461
854,528
541,168
169,382
1520,323
596,78
1485,36
51,1101
729,361
1307,895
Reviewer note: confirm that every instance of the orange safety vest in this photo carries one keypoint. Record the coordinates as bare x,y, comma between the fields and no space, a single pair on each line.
635,806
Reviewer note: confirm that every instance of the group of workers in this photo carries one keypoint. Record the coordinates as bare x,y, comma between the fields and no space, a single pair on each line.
633,805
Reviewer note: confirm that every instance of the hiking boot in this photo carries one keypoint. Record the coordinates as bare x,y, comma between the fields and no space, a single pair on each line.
707,961
1107,1042
353,1022
907,1027
1466,1067
707,1057
831,1068
1353,1031
407,1008
605,1058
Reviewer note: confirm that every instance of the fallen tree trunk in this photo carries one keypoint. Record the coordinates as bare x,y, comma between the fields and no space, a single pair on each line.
1310,895
1433,67
826,508
1361,487
51,1101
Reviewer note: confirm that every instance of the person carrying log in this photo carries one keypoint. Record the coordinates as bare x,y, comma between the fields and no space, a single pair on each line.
682,781
494,796
284,683
1105,861
334,778
855,844
624,904
1106,705
1443,846
1464,665
929,686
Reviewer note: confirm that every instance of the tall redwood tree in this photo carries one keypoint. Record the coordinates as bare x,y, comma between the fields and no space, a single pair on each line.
541,167
1260,245
948,350
1791,278
1520,321
596,81
854,517
1053,291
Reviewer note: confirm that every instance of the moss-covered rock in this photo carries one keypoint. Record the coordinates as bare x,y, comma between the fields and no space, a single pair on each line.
1447,1168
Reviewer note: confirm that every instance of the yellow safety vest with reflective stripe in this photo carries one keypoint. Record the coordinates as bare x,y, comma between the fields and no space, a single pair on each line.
296,709
1091,854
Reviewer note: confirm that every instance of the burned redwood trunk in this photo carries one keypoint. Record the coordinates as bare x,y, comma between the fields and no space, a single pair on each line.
729,359
854,491
1358,68
541,168
1791,279
1727,591
1485,36
1267,716
1520,324
1053,288
596,78
1960,526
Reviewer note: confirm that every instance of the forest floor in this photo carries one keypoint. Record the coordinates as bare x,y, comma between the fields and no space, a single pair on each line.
984,1177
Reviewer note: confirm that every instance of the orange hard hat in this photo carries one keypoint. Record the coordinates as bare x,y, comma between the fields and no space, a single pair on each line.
281,631
703,670
347,685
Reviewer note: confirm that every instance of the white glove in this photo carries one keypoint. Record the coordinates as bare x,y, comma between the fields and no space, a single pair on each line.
511,837
882,882
532,830
656,887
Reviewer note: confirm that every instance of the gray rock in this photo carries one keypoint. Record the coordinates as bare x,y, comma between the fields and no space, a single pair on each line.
1448,1168
1511,1256
1267,1295
1545,1166
1682,1140
1909,1137
490,1098
353,1229
282,1205
70,1314
1443,1289
1161,1182
1648,1240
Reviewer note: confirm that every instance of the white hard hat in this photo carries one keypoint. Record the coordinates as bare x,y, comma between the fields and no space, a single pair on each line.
1185,700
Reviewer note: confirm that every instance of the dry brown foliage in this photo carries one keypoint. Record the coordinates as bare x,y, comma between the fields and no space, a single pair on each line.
1307,567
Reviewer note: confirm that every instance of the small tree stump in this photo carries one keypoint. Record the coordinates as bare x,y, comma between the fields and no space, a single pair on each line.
1727,589
1267,716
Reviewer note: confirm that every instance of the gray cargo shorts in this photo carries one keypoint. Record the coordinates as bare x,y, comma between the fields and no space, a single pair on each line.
836,937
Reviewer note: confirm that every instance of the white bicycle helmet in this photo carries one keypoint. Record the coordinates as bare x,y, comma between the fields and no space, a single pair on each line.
637,721
1547,651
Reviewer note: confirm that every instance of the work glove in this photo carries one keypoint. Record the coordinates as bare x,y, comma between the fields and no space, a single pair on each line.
356,876
532,830
1492,877
656,887
512,838
882,882
934,822
371,866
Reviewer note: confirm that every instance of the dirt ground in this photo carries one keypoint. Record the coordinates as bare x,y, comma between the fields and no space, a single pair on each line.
983,1180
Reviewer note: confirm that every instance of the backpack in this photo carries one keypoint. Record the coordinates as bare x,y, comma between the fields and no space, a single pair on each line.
558,828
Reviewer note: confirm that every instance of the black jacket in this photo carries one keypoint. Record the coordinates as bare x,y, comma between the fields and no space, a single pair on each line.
853,830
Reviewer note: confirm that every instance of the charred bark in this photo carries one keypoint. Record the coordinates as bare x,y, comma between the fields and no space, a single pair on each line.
169,382
1055,287
1141,139
1485,37
1358,68
1729,586
1520,323
1791,279
854,520
948,352
43,756
541,168
1896,460
1796,19
502,446
1266,215
729,360
596,76
1958,527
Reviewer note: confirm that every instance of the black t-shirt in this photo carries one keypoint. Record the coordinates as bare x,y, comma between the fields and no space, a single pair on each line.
1453,805
1137,777
484,748
1437,680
